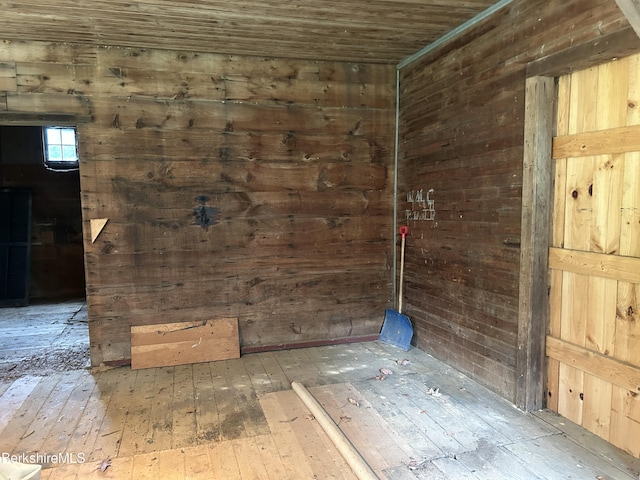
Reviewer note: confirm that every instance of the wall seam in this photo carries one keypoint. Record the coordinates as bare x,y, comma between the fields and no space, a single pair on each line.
455,32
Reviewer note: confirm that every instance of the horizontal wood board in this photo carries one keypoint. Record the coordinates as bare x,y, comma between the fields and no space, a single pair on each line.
620,373
609,141
614,267
461,130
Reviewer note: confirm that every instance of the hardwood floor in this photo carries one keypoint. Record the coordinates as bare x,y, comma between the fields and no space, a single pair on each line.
43,338
239,419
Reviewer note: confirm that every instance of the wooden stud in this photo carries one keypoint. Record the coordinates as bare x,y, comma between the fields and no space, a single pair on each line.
533,306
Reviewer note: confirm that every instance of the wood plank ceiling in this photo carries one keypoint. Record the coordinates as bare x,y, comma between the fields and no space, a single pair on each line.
381,31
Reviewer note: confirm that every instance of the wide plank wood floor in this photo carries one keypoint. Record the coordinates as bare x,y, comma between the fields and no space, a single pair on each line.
239,419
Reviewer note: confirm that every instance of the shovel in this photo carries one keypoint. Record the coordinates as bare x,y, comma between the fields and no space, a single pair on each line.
397,329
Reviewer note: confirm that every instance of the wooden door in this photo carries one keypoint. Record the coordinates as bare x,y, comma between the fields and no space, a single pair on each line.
594,339
15,246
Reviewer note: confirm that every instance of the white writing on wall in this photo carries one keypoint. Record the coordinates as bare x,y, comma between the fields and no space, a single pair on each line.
421,206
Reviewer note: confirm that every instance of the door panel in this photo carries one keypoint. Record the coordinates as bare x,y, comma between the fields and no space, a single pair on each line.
594,333
15,246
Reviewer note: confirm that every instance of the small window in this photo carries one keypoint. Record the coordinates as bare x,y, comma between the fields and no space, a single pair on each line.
60,148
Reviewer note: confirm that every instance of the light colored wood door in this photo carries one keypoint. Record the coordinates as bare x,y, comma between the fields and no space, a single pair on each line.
594,336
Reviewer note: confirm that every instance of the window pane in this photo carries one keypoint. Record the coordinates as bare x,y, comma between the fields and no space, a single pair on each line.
53,136
69,153
61,147
68,136
55,153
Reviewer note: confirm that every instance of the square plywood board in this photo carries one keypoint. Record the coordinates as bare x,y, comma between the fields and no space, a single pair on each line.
184,342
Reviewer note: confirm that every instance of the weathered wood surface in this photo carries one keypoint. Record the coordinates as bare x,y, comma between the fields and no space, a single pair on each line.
253,188
312,29
617,44
239,419
533,310
462,111
181,343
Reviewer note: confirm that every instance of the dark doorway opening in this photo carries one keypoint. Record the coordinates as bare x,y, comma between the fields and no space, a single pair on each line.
55,319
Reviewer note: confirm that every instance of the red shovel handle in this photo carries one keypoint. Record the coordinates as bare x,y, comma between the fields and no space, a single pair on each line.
404,231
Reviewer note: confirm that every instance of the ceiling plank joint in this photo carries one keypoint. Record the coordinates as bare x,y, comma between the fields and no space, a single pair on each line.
631,10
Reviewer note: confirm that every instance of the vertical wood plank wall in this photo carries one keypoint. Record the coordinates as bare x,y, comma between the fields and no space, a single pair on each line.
594,365
461,133
255,188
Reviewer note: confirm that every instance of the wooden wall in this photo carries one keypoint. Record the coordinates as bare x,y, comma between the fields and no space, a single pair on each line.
462,135
57,264
245,187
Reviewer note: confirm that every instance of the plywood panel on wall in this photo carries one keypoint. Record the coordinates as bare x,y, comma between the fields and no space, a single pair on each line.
244,187
462,110
180,343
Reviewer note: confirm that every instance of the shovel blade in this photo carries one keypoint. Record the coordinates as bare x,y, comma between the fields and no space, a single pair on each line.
397,330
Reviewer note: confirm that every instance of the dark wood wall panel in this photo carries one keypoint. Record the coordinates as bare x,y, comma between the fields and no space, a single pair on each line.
462,134
245,187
